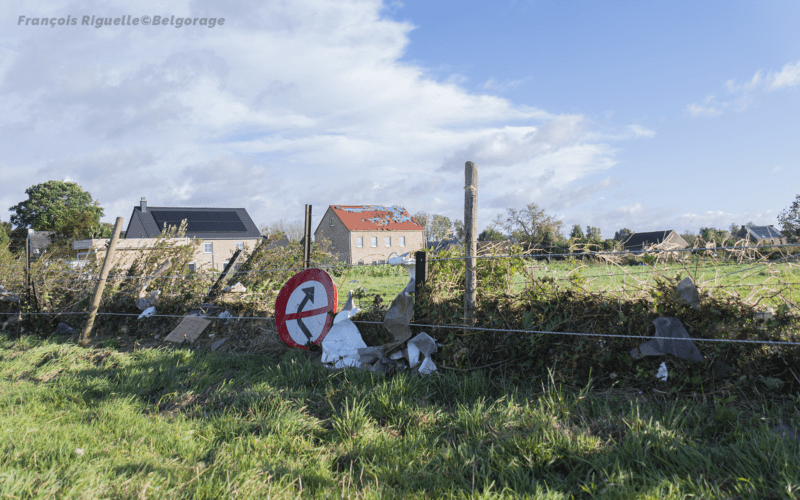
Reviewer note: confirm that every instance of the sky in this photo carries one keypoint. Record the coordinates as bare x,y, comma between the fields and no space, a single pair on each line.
625,114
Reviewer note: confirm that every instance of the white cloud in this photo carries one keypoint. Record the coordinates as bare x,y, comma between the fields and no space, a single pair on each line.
788,76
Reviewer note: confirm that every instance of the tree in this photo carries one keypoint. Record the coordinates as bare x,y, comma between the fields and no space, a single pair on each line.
51,203
714,234
790,220
576,232
623,234
293,231
593,233
458,230
531,225
439,228
689,237
5,234
491,234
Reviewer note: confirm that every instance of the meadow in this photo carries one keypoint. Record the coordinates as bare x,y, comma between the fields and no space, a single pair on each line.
179,423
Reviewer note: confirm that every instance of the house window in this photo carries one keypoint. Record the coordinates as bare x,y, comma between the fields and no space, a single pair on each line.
209,248
359,242
388,241
192,267
374,242
402,241
331,221
225,264
240,245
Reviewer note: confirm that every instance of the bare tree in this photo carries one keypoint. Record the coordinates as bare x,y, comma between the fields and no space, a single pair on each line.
293,230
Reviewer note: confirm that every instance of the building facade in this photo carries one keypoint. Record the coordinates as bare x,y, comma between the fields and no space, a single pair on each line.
366,234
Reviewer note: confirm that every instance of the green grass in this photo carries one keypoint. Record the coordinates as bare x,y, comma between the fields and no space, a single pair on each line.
84,423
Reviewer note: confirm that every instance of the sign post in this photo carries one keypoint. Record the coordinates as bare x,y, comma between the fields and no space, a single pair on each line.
305,308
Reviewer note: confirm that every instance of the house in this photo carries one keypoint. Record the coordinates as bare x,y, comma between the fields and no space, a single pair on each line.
221,232
658,240
762,235
365,234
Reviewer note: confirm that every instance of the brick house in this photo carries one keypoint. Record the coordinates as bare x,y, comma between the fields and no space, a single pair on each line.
365,234
659,240
220,231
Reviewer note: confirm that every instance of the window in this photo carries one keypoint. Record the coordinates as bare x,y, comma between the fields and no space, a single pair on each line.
331,221
359,242
192,267
209,248
388,241
240,245
225,264
402,241
374,241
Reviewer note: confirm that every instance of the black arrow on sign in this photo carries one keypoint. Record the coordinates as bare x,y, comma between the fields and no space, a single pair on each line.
309,296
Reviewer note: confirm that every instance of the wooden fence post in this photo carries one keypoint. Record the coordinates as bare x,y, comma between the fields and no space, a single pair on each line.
307,239
28,262
420,272
470,240
101,283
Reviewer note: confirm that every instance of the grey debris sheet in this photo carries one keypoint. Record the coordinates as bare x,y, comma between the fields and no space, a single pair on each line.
667,340
341,346
688,292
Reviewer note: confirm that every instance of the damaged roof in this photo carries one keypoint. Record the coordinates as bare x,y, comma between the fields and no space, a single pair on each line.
376,217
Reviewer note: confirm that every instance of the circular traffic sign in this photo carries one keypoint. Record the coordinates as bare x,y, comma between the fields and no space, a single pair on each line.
303,306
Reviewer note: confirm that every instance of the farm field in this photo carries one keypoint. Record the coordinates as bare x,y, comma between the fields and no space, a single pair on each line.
177,423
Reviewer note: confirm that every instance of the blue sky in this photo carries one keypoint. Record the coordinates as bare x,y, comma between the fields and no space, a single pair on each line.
646,115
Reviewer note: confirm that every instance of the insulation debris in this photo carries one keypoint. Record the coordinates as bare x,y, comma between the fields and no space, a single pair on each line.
688,292
662,372
237,288
667,340
148,312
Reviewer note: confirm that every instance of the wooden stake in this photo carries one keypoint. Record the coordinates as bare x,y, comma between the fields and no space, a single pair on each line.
101,283
307,239
470,240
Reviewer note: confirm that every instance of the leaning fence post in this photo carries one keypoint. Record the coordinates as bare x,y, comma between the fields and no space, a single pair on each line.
307,239
101,283
470,240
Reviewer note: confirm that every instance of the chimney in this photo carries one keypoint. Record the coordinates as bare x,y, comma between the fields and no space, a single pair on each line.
143,205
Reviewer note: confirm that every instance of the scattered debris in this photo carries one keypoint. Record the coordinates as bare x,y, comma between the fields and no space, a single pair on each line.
688,292
662,372
342,344
421,346
148,312
188,330
79,452
6,296
64,329
666,340
397,319
148,300
203,310
409,264
217,344
237,288
225,315
161,270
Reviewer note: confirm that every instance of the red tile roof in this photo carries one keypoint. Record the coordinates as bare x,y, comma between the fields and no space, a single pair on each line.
375,217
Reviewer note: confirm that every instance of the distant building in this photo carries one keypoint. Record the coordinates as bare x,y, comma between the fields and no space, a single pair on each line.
658,240
762,235
365,234
221,232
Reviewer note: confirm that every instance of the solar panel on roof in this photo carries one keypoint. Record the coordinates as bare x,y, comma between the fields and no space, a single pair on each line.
201,221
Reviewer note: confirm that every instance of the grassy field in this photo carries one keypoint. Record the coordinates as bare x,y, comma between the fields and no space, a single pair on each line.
177,423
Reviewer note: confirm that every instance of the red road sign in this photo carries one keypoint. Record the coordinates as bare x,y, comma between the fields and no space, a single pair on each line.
302,307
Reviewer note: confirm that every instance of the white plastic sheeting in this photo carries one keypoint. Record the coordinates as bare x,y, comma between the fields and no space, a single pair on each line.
341,344
662,372
237,288
148,312
149,300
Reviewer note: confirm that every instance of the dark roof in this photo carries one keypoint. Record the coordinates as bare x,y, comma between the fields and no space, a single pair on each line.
645,239
763,232
202,223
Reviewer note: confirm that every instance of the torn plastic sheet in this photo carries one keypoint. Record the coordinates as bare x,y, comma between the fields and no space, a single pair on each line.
341,345
662,372
397,319
6,296
421,346
667,340
149,300
688,292
148,312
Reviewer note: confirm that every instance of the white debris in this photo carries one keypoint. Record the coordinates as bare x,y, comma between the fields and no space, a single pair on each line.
225,315
79,452
148,312
662,372
237,288
408,263
422,346
341,344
